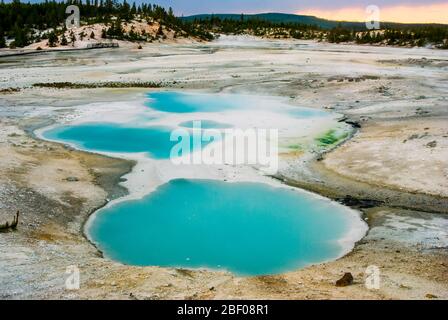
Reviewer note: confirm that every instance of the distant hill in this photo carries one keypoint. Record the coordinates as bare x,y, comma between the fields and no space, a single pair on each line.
296,18
279,18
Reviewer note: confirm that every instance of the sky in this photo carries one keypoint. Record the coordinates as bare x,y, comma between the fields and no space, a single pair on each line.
405,11
418,11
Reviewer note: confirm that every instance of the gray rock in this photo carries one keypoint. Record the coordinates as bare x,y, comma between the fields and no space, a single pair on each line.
432,144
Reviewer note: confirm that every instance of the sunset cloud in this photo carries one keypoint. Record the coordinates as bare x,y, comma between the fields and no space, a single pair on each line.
427,13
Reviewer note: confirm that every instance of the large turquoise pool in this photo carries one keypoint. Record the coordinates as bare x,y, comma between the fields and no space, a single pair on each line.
246,228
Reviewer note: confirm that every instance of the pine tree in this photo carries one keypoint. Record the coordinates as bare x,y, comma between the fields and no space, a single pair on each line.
159,31
20,37
64,40
2,39
133,9
52,39
72,38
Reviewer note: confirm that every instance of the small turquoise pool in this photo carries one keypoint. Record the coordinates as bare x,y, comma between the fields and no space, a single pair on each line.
111,137
246,228
179,102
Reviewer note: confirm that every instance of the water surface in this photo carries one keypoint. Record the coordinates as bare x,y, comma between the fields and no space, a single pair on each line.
111,137
246,228
180,102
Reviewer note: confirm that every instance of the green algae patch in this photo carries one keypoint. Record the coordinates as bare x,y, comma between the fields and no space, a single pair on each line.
296,147
331,137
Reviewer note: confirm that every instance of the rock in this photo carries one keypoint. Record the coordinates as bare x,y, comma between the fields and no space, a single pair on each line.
72,179
13,135
360,203
420,111
354,124
431,296
346,280
432,144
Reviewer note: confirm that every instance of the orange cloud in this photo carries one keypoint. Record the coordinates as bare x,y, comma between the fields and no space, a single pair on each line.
432,13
